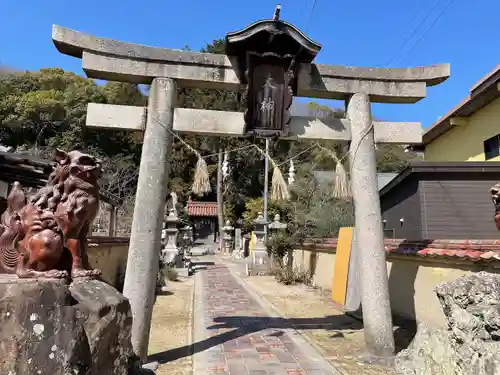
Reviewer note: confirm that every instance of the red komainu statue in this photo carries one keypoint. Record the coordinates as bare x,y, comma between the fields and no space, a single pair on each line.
495,196
46,235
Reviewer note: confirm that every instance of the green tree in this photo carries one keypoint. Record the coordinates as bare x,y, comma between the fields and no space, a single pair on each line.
48,108
42,110
394,158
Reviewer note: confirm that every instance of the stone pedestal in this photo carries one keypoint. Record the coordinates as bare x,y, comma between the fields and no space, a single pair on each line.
186,240
228,238
259,256
238,240
170,253
246,244
238,243
48,327
185,252
190,235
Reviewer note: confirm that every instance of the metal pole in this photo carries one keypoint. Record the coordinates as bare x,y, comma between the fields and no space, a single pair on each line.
266,187
220,198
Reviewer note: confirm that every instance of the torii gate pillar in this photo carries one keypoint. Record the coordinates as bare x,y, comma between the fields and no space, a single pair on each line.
377,318
147,224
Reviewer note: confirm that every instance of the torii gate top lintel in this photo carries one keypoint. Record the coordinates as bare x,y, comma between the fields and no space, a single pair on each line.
109,59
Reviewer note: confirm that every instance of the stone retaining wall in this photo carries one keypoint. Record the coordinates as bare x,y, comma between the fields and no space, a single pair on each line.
109,254
414,269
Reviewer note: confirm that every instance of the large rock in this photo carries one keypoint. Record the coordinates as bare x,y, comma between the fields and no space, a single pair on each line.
429,353
106,317
471,305
40,332
48,327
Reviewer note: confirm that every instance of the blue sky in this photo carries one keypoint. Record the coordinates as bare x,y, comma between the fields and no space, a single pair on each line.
356,33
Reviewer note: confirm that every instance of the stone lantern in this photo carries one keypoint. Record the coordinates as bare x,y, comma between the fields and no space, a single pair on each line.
276,225
259,248
228,237
170,253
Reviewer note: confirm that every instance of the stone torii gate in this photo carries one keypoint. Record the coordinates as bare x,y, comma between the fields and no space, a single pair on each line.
271,60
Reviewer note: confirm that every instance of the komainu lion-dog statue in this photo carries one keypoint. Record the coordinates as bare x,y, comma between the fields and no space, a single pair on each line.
45,235
495,196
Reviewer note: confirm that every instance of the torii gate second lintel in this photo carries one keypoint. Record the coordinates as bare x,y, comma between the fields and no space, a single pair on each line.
232,124
272,72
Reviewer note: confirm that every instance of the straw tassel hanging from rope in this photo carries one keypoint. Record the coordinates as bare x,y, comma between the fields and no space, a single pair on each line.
342,188
201,180
279,189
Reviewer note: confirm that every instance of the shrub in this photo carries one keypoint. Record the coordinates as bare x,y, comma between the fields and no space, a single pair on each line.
171,274
279,244
288,275
316,213
256,205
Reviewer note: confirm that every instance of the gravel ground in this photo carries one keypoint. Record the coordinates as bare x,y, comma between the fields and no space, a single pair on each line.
171,329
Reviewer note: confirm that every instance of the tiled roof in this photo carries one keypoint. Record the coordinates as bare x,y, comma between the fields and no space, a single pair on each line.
473,250
207,209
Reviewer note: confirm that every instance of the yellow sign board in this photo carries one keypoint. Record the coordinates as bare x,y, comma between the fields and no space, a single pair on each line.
341,266
252,242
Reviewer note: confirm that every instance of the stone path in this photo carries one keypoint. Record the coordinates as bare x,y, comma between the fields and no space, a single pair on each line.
234,334
338,337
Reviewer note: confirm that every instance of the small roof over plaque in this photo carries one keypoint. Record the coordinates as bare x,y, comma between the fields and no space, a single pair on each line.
272,36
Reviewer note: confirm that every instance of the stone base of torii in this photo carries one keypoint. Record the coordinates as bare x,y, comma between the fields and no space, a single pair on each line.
165,69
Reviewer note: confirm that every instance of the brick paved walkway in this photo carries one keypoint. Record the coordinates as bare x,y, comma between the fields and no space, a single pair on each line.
233,335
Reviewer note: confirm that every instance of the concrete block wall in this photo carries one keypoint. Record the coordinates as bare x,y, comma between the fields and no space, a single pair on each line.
109,254
412,279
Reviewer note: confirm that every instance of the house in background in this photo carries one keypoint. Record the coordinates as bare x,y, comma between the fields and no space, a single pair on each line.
441,200
435,200
471,130
204,217
327,178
